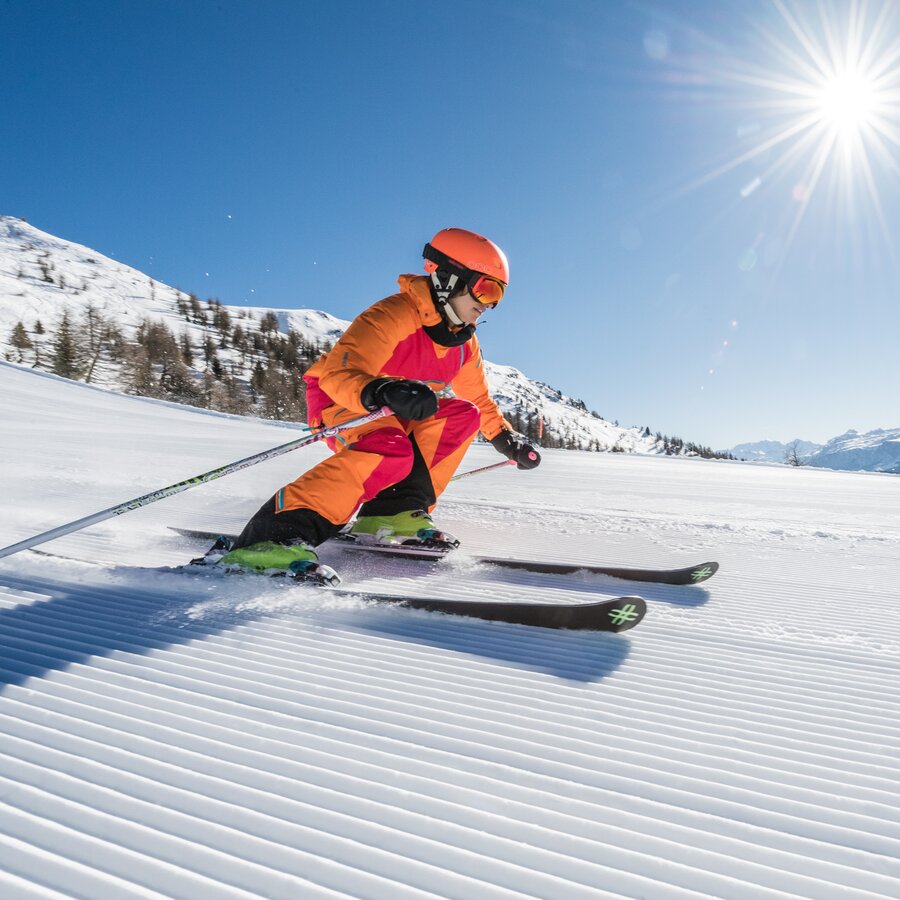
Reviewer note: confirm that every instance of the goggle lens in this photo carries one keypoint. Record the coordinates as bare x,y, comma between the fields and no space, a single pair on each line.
487,291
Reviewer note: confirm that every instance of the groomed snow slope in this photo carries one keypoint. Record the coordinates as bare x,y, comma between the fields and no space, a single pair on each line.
164,735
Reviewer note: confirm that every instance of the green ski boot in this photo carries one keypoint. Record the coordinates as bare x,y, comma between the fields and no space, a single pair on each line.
404,531
297,561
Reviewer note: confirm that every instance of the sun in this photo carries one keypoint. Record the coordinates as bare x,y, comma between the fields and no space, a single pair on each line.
838,88
836,81
847,103
818,88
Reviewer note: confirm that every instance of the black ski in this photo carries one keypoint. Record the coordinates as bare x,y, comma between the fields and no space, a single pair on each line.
688,575
618,614
613,614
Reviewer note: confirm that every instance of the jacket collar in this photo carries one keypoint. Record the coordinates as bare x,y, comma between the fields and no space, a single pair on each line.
418,288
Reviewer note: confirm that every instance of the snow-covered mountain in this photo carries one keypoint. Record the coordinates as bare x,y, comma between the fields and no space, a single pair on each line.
773,451
874,451
43,276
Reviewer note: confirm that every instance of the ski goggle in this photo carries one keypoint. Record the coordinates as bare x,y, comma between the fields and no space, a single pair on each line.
486,291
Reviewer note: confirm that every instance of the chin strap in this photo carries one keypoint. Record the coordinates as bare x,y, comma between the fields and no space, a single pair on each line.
442,295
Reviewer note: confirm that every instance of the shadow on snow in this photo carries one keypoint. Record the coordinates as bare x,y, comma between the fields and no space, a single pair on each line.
68,622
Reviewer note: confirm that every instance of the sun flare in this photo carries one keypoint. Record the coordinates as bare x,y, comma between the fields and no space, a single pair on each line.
818,92
847,102
824,91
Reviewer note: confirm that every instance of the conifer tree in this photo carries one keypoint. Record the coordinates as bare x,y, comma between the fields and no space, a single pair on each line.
197,313
187,350
139,377
258,379
20,340
268,322
239,342
234,397
65,354
221,319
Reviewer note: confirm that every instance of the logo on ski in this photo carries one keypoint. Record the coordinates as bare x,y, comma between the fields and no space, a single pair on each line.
623,614
701,574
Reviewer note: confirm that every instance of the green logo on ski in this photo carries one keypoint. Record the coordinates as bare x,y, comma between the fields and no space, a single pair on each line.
701,574
623,614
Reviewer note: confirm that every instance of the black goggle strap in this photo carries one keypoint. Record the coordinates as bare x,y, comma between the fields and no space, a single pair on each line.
441,260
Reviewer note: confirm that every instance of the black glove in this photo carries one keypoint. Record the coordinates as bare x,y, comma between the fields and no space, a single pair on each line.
514,446
408,399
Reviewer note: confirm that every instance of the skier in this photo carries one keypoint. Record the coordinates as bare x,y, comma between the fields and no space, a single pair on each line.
397,353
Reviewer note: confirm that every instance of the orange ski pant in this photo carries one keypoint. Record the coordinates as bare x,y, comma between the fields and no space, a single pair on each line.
419,457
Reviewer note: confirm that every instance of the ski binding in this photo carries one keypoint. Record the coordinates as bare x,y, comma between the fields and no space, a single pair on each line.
429,542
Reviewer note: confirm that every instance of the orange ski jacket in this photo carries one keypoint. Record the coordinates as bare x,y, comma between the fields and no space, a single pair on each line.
389,340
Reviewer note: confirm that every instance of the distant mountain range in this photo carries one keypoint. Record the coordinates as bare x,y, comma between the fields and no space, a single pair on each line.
773,451
874,451
244,360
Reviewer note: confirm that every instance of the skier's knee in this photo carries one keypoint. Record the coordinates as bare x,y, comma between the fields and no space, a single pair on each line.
463,414
396,450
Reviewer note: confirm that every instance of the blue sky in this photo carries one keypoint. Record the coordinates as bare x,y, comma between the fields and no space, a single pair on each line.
686,252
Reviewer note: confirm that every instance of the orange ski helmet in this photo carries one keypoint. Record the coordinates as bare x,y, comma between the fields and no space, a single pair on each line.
463,260
467,250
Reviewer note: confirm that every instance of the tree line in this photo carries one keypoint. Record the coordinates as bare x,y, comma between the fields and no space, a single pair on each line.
240,365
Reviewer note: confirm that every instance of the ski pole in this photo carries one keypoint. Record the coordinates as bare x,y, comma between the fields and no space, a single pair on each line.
153,496
499,465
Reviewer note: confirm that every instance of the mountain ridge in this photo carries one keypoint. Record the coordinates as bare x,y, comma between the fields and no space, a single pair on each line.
877,450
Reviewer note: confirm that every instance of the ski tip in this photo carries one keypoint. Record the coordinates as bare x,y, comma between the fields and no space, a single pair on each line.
625,613
703,572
